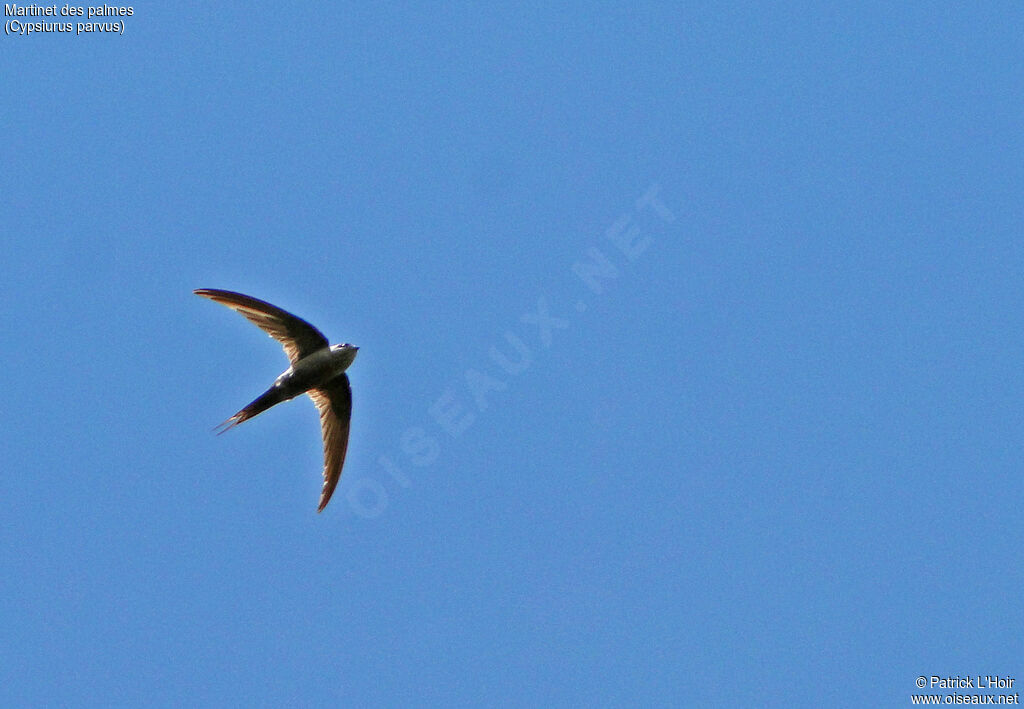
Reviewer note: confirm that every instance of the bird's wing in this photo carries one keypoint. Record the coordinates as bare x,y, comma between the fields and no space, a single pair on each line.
298,337
334,399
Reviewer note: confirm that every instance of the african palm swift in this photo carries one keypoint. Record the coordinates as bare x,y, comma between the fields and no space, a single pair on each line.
317,368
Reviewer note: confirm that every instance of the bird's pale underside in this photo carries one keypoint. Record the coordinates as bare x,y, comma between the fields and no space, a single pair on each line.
317,368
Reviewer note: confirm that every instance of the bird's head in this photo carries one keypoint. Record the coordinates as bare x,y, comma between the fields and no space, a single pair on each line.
346,353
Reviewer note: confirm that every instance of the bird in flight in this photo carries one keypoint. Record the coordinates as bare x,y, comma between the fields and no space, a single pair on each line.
317,368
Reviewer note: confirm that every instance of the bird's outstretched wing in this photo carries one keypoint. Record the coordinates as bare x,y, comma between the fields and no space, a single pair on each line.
298,337
334,400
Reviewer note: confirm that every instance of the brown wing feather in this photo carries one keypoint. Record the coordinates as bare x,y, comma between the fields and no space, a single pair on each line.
297,336
334,400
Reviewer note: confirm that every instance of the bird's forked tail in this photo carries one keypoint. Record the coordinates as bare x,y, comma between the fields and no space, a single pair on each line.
273,395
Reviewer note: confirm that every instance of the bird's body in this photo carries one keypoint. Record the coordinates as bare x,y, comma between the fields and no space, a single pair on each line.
317,368
313,369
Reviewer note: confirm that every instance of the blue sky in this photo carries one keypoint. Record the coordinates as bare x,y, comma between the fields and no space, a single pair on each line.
754,440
